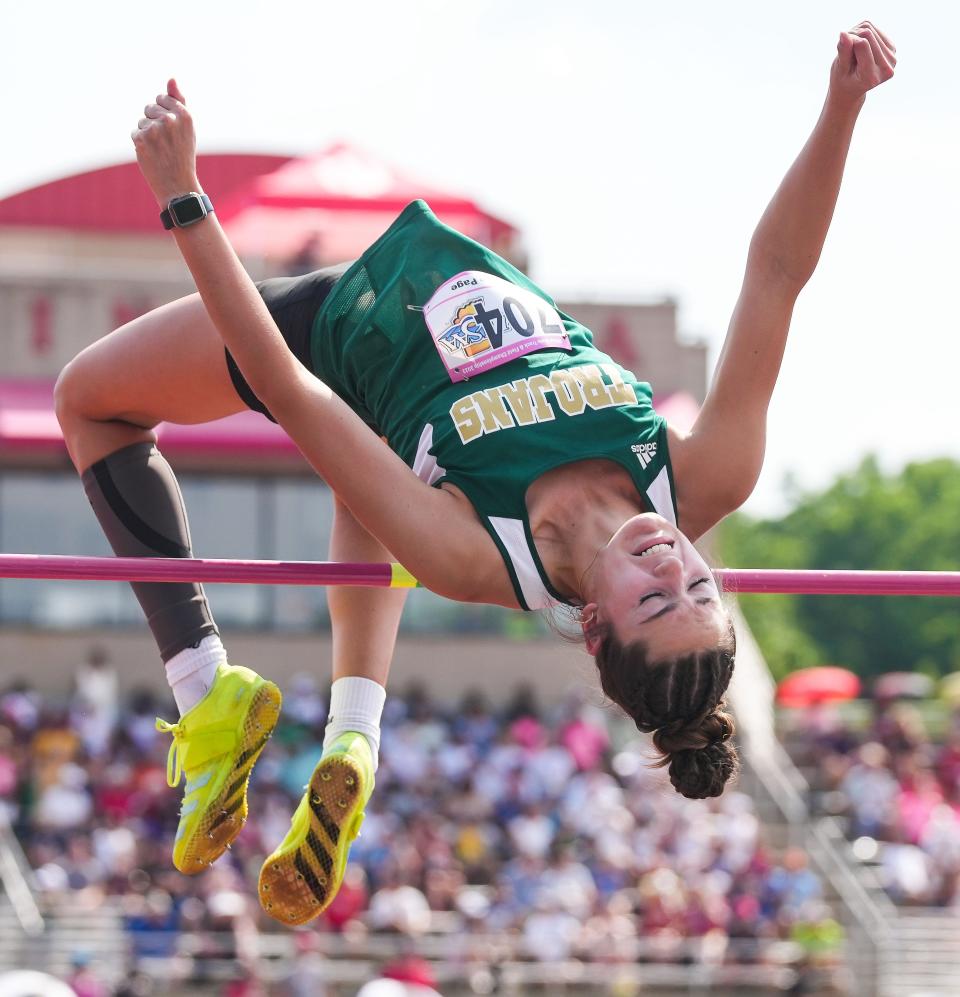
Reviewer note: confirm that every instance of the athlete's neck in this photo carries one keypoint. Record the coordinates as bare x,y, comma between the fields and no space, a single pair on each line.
574,511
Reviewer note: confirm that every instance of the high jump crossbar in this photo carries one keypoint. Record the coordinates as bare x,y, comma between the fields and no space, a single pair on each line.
173,569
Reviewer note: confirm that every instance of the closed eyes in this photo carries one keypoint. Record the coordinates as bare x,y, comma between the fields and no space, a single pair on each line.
690,588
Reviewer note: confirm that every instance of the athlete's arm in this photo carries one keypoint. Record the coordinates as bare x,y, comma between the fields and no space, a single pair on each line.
718,463
435,536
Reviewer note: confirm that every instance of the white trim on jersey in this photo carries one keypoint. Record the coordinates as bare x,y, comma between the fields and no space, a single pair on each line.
661,497
514,540
425,465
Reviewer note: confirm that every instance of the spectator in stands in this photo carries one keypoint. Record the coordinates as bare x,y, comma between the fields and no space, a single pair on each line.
532,831
65,802
20,707
83,977
94,708
919,796
397,905
871,791
550,933
585,737
351,902
408,976
793,884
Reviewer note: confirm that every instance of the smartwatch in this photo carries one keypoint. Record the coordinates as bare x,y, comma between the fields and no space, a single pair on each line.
188,209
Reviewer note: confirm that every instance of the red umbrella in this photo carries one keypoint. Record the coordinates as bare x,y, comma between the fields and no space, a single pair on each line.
823,684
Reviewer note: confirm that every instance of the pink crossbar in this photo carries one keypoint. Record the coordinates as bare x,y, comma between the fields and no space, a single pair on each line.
945,583
192,569
164,569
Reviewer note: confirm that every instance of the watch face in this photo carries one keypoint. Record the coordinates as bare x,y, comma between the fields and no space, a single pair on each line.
187,211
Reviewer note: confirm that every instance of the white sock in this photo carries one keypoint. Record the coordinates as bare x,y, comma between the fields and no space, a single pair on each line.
356,704
191,672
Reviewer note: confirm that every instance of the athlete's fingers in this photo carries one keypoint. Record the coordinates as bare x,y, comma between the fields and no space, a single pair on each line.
863,64
171,104
155,120
845,52
161,117
876,48
174,90
886,41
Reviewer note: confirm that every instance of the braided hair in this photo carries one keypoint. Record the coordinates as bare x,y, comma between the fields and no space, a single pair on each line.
681,703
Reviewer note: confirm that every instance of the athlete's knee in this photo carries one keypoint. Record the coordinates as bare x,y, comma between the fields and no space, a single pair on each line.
67,393
76,393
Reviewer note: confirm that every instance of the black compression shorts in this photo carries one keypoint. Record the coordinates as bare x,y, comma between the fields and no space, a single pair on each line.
293,302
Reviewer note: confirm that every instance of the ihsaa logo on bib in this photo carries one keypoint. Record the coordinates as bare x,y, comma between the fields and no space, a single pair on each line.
479,321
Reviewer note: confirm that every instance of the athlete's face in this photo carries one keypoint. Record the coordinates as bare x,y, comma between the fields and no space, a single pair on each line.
651,584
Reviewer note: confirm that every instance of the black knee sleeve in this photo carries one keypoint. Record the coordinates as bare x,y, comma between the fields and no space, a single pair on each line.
137,501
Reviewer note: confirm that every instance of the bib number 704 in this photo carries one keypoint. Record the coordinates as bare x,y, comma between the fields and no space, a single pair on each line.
517,317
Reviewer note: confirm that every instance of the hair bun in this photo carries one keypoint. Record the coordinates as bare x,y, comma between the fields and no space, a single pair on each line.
701,760
703,772
714,728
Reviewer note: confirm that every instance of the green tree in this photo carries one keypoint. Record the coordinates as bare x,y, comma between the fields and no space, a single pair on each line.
864,520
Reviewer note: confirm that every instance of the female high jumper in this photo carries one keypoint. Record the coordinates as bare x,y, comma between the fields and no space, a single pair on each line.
469,431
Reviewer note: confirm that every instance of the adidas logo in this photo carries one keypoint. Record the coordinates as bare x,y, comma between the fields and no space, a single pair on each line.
645,452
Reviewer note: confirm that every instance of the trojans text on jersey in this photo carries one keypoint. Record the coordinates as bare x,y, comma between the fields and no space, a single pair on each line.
527,400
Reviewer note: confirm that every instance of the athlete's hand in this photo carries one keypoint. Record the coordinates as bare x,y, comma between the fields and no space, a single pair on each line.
865,59
167,146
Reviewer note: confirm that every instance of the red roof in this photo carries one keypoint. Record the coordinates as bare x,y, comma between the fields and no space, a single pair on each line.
116,199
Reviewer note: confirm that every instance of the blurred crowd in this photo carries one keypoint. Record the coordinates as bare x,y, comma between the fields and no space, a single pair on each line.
520,833
894,777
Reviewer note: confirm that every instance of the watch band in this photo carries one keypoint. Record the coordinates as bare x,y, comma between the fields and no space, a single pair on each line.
168,219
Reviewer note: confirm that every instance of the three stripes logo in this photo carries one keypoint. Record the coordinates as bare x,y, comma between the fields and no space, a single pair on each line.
645,453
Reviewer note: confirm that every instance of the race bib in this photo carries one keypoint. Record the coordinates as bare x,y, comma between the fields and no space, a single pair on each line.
479,321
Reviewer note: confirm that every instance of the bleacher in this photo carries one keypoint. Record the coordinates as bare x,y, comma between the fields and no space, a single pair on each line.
476,810
535,850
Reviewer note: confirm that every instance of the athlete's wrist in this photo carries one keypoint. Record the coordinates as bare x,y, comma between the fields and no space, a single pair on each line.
176,187
843,104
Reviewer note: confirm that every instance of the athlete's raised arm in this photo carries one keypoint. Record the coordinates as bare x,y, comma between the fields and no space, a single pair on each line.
434,535
718,463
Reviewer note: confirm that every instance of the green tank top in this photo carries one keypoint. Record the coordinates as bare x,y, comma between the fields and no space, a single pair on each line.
474,378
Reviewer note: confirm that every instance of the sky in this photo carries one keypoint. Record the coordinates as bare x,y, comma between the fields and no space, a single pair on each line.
636,145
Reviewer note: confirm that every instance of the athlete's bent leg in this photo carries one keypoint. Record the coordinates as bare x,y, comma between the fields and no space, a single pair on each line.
300,879
166,365
169,365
